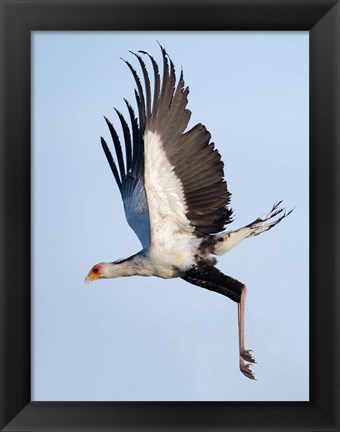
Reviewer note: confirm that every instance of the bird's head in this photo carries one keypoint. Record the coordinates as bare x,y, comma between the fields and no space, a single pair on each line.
109,270
98,271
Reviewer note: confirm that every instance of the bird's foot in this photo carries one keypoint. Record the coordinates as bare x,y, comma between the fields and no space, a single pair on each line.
245,369
245,354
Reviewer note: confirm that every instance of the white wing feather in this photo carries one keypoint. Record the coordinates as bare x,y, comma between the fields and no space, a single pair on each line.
172,235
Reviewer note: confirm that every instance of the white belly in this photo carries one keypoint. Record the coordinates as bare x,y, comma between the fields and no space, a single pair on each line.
172,257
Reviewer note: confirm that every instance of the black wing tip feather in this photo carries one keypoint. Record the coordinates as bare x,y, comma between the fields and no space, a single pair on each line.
161,46
153,61
104,144
118,148
137,56
136,135
107,121
165,53
111,162
146,84
127,139
140,100
127,103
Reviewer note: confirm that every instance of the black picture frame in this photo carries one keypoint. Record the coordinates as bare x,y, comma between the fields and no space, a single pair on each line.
18,19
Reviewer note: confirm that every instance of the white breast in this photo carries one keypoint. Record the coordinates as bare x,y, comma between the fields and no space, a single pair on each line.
173,243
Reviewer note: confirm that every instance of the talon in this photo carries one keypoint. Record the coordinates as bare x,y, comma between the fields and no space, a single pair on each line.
247,356
245,369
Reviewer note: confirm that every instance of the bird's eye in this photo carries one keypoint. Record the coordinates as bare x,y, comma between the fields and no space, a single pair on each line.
95,270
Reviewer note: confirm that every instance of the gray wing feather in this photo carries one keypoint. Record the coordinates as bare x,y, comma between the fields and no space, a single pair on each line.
130,176
136,210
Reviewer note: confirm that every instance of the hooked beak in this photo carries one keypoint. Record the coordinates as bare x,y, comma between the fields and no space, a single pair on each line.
90,278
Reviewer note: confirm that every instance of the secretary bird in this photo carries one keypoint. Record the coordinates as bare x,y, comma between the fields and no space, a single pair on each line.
174,194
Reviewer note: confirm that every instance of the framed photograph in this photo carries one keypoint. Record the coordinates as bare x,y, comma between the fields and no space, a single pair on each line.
262,80
258,97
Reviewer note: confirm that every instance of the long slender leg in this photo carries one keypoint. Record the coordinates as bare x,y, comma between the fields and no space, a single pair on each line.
209,277
244,354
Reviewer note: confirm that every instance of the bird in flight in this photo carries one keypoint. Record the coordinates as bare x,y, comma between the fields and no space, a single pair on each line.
175,197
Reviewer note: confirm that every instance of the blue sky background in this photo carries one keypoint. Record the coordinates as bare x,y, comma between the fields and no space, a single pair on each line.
147,338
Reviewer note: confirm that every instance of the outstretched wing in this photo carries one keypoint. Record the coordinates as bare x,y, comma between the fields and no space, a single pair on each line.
184,183
129,175
172,181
